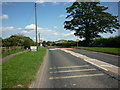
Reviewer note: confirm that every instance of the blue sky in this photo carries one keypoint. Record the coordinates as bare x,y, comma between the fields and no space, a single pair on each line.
18,18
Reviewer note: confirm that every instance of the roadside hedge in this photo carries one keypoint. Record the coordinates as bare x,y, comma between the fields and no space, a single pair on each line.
106,42
99,42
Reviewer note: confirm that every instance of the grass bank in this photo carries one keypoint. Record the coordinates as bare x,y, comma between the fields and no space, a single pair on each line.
20,70
102,49
0,76
11,52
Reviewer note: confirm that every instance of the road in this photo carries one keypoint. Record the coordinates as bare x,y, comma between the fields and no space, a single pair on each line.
76,68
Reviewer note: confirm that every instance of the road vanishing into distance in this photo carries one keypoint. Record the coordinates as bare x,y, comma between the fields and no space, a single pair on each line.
77,68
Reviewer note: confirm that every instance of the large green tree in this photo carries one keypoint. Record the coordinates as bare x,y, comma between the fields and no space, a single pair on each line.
88,19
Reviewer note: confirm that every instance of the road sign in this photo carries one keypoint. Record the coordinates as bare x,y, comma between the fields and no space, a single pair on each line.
77,40
40,41
33,48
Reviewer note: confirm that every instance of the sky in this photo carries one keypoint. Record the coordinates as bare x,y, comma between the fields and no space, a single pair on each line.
19,18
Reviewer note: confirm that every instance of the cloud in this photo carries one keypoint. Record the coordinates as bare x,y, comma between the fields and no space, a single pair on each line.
71,0
19,28
3,3
43,39
4,16
25,32
9,28
40,1
55,33
55,27
66,3
62,15
30,27
68,34
55,2
46,33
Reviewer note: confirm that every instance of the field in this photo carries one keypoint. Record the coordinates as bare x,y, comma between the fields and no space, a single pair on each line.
0,76
19,71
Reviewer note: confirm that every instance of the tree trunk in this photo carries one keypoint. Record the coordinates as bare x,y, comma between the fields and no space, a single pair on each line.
87,37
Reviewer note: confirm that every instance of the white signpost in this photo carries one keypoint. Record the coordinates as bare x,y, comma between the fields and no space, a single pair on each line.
33,48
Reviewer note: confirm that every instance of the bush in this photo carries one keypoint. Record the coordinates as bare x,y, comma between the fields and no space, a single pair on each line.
17,40
106,42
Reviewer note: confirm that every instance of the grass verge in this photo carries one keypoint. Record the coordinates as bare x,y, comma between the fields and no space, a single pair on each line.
0,76
11,52
20,70
102,49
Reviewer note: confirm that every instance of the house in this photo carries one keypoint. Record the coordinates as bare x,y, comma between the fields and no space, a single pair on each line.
60,41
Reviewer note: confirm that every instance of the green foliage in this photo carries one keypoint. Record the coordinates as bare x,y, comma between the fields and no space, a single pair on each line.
11,52
44,43
49,43
98,42
17,40
21,69
0,41
67,44
88,19
106,42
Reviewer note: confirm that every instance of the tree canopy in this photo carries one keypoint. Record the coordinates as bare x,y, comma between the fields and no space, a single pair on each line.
17,40
88,19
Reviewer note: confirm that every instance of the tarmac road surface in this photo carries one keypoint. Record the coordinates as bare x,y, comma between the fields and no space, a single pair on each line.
76,68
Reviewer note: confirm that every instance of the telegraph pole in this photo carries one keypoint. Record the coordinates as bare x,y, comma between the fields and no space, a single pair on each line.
36,25
39,37
77,43
77,40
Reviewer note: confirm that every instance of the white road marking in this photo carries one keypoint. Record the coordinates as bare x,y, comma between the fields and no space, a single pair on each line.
98,63
69,67
107,65
74,84
78,76
98,66
60,48
73,71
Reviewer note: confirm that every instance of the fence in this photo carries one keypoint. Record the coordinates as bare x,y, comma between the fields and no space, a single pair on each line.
9,49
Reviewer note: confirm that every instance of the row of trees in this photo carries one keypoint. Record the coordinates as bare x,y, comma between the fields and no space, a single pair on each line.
65,44
98,42
68,43
17,40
